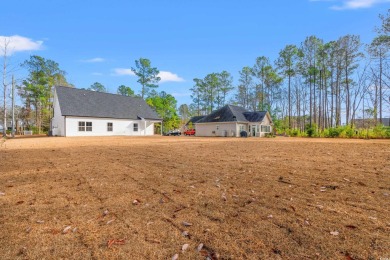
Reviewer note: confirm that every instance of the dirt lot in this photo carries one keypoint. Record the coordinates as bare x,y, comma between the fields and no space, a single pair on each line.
130,198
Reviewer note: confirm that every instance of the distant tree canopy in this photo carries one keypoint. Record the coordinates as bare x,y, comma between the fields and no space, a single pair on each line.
184,112
36,90
211,91
165,106
97,87
125,91
147,75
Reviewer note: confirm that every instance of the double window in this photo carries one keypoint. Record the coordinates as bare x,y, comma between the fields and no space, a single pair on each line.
85,126
109,127
135,127
265,128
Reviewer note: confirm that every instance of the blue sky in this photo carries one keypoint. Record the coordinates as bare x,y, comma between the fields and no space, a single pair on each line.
98,41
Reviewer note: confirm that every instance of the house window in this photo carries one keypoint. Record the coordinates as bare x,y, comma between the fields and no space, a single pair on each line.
135,127
85,126
265,128
88,127
109,127
217,127
82,126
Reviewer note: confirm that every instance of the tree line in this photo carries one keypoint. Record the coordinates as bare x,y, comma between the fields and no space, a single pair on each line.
313,84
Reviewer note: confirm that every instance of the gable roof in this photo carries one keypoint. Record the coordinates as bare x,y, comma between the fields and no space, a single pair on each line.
255,116
86,103
194,119
230,113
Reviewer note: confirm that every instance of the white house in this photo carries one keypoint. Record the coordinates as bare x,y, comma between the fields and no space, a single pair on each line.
79,112
231,120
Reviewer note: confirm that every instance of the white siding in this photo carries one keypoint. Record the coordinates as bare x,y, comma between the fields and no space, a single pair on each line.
57,122
210,129
99,127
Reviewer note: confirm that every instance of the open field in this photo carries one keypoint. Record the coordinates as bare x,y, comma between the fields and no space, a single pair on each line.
127,198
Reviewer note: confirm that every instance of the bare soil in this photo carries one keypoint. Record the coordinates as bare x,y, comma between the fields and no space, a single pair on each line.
146,197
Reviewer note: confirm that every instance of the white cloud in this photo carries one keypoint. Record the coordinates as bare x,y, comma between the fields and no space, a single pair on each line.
167,76
352,4
93,60
123,72
18,43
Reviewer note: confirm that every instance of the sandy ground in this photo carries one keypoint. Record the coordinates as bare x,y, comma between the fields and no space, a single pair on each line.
147,197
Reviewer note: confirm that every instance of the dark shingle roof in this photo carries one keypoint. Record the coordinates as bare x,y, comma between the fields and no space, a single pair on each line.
86,103
255,116
230,113
194,119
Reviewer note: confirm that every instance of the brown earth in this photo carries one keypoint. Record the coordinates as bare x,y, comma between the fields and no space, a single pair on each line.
127,198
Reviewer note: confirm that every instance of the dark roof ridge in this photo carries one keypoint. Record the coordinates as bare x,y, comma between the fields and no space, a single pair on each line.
93,91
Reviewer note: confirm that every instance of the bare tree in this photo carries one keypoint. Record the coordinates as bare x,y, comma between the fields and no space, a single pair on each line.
4,50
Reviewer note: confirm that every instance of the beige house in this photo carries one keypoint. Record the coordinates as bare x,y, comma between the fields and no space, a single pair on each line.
232,120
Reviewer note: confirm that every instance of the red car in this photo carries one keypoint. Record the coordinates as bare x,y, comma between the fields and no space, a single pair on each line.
189,132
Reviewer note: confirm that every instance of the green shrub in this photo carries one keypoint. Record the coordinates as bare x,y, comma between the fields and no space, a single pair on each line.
334,132
311,131
294,132
347,131
381,131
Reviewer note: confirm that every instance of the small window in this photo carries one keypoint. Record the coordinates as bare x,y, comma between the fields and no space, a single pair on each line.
217,127
242,128
135,127
109,127
82,126
88,127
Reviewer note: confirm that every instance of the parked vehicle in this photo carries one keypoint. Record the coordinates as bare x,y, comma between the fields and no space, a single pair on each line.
173,133
189,132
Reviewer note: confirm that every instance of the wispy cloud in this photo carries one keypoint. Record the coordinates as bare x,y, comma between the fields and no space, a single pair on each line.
166,76
17,43
123,72
96,74
93,60
169,76
352,4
